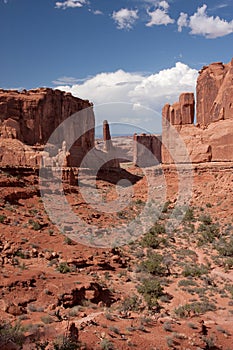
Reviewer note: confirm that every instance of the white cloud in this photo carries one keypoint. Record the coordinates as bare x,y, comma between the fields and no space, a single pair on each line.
70,3
160,15
164,5
66,81
201,24
97,12
182,21
141,91
125,18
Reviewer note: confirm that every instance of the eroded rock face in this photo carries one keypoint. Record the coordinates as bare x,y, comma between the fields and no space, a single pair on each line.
215,93
37,113
147,150
32,116
211,139
182,112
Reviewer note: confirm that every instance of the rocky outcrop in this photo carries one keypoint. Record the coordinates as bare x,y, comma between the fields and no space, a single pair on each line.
215,93
147,150
182,112
211,139
30,117
33,115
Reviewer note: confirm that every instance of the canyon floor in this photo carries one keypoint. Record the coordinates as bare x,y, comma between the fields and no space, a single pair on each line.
171,287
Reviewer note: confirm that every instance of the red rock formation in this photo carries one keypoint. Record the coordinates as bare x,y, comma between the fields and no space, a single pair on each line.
147,150
215,93
37,112
182,112
107,136
212,138
32,116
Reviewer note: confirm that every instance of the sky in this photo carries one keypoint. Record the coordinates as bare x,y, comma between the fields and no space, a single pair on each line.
128,57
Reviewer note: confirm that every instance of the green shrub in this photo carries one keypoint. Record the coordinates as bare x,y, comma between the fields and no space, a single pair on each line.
154,265
2,218
68,241
35,225
151,241
11,334
209,232
106,344
225,248
130,303
206,219
194,308
46,319
165,207
151,290
195,271
63,268
189,215
186,283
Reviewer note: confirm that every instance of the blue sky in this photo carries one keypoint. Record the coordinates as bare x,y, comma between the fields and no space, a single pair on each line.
138,52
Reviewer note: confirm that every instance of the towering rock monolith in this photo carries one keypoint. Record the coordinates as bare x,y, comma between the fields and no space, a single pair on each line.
211,139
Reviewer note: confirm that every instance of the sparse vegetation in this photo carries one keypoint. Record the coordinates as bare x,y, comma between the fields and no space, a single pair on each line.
11,334
194,308
151,290
154,265
63,267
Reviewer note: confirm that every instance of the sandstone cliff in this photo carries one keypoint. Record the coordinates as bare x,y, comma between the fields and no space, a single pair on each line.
211,139
31,117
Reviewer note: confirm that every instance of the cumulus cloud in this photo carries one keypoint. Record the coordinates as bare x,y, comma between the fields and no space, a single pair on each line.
164,5
208,26
70,3
160,15
125,18
182,21
137,90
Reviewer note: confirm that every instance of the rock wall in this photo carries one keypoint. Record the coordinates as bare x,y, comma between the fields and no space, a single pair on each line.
147,150
215,93
211,139
31,117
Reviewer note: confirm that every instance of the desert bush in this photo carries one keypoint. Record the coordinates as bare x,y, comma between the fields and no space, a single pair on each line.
209,232
106,344
195,308
165,207
46,319
35,225
151,241
205,219
195,271
130,303
154,265
114,329
189,215
63,268
66,344
167,326
11,334
68,241
151,290
186,283
2,218
225,248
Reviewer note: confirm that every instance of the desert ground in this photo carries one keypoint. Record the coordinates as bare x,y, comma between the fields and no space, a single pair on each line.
169,288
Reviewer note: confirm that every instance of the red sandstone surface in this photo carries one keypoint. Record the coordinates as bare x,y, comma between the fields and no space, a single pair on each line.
49,282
